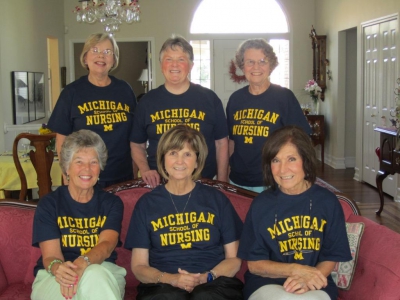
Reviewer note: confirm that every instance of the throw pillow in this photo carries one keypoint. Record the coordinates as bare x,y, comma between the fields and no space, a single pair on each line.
343,272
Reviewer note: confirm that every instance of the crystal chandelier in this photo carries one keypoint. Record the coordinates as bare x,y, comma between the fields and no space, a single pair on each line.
111,13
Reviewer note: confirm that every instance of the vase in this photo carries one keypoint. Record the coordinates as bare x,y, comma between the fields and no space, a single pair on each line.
314,107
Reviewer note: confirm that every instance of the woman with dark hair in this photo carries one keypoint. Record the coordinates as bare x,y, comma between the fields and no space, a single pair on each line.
101,103
294,232
77,228
179,101
255,111
184,235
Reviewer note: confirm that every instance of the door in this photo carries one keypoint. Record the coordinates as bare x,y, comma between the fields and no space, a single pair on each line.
224,52
380,44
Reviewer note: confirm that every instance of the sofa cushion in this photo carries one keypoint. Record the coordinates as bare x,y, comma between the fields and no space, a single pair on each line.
129,198
343,272
377,274
18,291
16,234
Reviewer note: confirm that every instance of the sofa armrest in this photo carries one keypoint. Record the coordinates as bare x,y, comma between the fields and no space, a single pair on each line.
377,274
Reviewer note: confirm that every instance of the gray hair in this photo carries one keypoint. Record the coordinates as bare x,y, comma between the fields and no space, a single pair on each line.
92,41
177,41
256,44
78,141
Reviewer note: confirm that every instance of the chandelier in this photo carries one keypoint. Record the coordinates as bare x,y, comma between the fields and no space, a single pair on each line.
111,13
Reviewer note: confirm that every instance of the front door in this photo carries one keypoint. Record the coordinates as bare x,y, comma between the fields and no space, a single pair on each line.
224,52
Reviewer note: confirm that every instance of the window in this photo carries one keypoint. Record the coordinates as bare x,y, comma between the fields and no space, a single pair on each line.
260,17
250,16
202,65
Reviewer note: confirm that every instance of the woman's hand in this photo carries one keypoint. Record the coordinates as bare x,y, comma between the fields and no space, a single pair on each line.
151,177
65,274
185,280
305,278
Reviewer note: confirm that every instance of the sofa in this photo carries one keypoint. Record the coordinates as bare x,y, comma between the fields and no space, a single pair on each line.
377,273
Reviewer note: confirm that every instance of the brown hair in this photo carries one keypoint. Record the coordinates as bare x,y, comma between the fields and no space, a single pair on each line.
175,139
297,137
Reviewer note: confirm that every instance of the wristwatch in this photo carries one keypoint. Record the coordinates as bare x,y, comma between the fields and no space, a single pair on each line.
211,276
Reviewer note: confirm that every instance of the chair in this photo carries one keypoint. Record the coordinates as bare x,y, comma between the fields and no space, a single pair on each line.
41,159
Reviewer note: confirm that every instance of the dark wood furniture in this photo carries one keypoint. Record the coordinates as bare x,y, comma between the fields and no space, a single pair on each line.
389,159
41,158
317,124
318,45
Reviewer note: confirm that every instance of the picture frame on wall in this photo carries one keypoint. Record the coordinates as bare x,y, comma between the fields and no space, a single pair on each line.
28,96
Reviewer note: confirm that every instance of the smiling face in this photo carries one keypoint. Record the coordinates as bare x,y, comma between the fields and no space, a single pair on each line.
256,74
287,170
83,170
180,164
98,63
175,66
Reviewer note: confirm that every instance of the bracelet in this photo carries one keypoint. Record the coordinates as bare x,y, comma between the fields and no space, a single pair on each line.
213,274
160,276
55,261
86,259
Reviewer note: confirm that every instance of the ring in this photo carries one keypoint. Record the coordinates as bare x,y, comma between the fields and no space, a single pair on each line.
70,285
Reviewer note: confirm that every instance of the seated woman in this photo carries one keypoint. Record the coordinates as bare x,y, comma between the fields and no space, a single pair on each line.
77,228
295,230
184,235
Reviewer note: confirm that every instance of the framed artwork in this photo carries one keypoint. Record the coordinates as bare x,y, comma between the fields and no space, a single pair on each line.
28,96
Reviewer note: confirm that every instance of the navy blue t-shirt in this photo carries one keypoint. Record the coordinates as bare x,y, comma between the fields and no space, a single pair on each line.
251,119
192,239
77,225
198,107
108,111
305,229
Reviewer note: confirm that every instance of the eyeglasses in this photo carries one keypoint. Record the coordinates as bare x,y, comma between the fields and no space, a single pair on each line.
252,63
105,52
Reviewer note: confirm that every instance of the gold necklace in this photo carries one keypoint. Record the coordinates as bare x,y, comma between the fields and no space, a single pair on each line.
175,205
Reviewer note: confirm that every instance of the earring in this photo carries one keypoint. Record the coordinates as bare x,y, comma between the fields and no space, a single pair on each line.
98,178
67,177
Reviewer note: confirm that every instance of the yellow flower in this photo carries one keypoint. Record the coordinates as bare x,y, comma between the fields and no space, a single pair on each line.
44,129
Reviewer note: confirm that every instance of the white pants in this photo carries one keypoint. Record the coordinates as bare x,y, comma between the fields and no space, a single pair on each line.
105,281
277,292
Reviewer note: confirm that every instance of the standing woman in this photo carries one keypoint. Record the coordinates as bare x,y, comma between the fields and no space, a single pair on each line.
295,230
102,103
184,235
178,101
77,228
255,111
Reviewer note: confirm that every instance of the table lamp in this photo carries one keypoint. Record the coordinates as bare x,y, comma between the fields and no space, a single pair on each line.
144,78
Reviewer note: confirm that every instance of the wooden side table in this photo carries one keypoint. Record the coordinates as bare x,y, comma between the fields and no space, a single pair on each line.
389,159
317,124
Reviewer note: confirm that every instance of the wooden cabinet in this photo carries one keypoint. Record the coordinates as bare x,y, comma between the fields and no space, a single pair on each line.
317,124
389,159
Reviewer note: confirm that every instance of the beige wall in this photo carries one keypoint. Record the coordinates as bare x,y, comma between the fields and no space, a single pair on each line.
333,18
24,28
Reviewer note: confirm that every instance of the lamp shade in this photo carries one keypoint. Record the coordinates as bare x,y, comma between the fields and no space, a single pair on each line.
144,76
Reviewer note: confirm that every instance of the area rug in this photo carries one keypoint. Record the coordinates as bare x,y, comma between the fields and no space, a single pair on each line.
326,185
